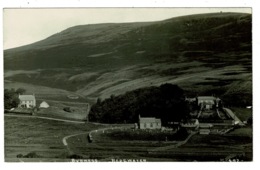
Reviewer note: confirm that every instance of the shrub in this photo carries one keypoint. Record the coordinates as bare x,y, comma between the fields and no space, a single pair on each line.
67,109
19,156
31,155
75,156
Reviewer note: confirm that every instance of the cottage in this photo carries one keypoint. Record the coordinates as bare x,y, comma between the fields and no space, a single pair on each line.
44,105
149,123
27,101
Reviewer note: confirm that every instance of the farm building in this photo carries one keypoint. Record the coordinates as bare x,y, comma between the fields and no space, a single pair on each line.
208,101
44,105
27,101
149,123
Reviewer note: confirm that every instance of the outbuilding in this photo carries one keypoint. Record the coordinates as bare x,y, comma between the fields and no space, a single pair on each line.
44,105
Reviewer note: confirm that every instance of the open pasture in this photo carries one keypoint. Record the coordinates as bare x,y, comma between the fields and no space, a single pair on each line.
25,135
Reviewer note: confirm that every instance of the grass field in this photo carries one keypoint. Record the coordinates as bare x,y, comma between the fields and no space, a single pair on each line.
198,147
242,113
42,137
79,111
43,140
104,148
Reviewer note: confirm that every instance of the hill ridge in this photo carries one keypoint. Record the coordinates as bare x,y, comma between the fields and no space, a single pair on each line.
200,53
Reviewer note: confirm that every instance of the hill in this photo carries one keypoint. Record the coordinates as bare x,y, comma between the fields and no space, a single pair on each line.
204,54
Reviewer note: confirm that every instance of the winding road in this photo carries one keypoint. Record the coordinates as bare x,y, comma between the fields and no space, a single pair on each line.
65,143
64,139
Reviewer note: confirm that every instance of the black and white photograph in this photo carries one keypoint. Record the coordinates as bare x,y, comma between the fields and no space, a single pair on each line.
128,84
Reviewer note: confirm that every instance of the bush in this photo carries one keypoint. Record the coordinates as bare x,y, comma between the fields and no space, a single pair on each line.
19,156
67,109
75,156
31,155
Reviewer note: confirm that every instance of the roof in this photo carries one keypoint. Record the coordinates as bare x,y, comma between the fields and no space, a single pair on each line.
44,105
149,120
26,97
206,98
44,102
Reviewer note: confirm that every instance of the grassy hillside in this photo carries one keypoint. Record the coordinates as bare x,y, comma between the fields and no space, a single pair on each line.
204,54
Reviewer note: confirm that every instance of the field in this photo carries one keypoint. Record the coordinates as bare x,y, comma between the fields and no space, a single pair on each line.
79,111
41,140
103,148
38,137
242,113
235,145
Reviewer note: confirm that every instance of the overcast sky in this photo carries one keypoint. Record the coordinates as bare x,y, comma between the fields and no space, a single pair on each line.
25,26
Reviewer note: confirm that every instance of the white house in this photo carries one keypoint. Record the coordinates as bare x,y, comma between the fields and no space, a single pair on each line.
27,101
149,123
44,105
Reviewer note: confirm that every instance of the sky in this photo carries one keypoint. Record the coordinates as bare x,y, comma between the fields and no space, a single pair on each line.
23,26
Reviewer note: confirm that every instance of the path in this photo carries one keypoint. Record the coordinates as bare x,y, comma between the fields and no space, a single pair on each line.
63,101
65,143
46,118
233,116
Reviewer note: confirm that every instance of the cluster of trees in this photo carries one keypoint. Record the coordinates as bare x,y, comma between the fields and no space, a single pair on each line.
11,99
166,102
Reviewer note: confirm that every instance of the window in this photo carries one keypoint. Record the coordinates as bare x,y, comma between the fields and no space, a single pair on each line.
151,125
145,125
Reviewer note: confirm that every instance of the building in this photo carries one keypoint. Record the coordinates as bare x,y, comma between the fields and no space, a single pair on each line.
27,101
149,123
206,101
44,105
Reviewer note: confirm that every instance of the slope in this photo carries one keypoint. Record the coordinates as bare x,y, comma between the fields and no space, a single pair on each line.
203,53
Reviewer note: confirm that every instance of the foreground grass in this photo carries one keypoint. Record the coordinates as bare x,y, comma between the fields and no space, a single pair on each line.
108,145
39,137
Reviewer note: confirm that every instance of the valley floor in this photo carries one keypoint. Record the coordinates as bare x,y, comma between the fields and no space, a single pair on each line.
28,138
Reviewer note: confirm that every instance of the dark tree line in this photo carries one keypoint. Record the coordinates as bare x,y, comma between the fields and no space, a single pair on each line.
166,102
11,99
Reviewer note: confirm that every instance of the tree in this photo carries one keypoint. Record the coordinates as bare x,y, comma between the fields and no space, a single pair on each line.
250,120
20,91
166,102
11,99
